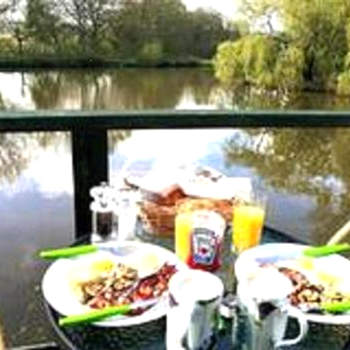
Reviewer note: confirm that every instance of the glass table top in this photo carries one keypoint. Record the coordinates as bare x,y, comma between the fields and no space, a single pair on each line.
232,335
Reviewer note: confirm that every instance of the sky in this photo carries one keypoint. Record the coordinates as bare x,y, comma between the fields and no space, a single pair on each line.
226,7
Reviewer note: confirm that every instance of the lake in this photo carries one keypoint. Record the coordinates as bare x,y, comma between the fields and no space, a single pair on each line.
305,171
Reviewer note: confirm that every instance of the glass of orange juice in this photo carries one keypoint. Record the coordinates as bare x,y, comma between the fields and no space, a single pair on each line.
183,228
248,221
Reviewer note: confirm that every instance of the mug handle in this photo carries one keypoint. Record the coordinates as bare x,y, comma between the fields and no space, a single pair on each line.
303,327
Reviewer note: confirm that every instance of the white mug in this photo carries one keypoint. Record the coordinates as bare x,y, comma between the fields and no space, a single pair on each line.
194,299
269,289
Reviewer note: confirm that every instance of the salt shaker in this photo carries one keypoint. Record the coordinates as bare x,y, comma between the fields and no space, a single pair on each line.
103,214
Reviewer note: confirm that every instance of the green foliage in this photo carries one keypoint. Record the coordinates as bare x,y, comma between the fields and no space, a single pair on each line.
262,61
343,87
149,30
308,44
151,52
228,63
289,69
258,56
7,46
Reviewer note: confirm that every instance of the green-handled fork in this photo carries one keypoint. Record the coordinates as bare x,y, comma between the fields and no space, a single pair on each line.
315,252
99,315
68,252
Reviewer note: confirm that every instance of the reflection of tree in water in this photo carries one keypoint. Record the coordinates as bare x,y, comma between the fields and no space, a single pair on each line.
119,89
2,104
149,88
302,161
17,150
13,158
70,89
45,89
116,136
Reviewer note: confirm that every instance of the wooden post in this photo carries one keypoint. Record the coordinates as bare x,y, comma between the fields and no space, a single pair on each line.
90,167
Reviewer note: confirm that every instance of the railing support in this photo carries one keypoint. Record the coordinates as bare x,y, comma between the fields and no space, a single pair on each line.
90,167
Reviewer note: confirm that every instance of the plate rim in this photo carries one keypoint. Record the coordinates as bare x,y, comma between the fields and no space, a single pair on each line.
156,313
343,319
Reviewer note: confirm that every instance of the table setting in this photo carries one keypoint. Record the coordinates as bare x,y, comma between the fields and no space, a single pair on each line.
221,280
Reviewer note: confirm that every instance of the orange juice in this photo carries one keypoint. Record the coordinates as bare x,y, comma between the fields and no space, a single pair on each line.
248,221
183,228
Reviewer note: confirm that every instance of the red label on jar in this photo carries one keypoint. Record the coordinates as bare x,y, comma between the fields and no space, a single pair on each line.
205,240
204,246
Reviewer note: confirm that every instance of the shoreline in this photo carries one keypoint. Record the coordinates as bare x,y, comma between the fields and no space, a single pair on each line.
14,64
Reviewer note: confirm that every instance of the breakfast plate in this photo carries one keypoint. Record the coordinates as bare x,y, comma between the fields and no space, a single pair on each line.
330,273
63,280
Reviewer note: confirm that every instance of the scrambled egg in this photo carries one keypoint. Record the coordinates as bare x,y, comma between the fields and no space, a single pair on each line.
101,267
87,270
146,264
306,263
319,273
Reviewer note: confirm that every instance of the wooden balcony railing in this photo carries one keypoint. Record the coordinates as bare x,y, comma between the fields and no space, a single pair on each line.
89,135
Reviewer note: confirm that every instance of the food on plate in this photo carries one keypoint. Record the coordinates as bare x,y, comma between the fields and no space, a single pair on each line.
123,285
161,219
312,287
312,294
163,190
145,264
157,219
166,197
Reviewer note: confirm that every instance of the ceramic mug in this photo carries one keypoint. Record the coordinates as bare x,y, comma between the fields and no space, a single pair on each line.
194,299
263,299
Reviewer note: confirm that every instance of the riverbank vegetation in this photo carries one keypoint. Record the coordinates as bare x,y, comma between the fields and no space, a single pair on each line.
160,33
292,46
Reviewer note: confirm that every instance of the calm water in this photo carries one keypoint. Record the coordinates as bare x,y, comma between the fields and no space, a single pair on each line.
305,171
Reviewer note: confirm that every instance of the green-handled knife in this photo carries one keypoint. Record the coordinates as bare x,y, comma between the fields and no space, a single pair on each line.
99,315
329,307
336,307
84,249
315,252
67,252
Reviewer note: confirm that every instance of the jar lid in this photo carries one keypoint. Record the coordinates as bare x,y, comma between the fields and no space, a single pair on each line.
102,191
209,219
102,207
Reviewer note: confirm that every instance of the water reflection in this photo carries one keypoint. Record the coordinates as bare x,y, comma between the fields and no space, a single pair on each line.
143,89
36,212
111,89
18,151
312,162
305,170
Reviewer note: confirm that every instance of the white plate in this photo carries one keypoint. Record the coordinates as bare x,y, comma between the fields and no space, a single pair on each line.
58,292
279,252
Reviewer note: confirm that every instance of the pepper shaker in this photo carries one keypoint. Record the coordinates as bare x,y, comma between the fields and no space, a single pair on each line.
103,214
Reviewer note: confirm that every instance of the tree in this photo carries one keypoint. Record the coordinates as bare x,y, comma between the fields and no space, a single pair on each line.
88,19
260,60
141,26
44,26
205,31
5,6
313,33
12,18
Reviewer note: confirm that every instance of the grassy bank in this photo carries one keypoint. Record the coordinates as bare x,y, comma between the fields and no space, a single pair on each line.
9,64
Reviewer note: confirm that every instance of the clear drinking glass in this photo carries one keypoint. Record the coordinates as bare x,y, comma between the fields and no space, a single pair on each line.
248,221
127,212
